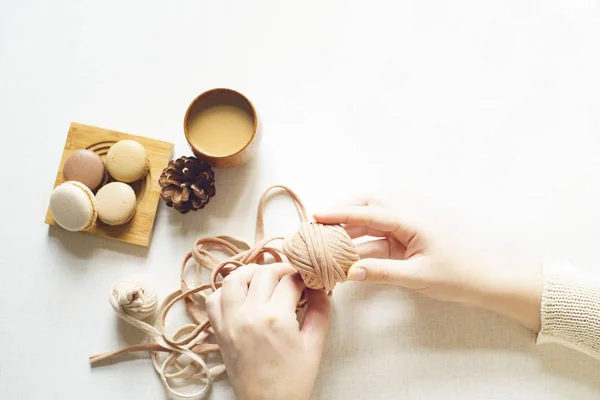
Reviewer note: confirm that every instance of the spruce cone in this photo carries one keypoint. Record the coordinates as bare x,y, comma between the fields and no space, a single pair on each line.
187,184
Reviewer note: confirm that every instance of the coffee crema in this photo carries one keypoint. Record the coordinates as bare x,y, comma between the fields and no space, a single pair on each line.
221,130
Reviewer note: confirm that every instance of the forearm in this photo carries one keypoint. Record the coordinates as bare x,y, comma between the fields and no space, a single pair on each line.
515,294
559,302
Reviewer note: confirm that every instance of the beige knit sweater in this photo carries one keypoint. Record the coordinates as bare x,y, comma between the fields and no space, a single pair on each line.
571,309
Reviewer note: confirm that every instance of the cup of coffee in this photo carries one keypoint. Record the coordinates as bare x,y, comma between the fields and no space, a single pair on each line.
221,126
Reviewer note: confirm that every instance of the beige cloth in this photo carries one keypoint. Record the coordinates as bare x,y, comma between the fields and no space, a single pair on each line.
570,312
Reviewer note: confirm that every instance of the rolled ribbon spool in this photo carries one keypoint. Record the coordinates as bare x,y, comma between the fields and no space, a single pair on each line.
134,298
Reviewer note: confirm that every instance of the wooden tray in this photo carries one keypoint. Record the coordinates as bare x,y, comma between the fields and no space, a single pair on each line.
139,229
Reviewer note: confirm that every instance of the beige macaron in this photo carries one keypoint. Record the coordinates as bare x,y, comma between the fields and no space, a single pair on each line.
73,206
127,161
116,203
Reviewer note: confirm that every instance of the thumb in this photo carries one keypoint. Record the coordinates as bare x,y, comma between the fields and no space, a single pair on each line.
316,319
396,272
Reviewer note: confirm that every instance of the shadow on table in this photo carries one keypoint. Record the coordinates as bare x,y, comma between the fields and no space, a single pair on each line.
130,334
450,326
231,186
420,322
82,245
559,360
127,335
447,326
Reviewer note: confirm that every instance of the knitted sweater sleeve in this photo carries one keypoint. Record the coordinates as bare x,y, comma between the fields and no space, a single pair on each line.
570,313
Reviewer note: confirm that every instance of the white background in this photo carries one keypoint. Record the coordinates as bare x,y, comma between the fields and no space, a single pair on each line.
483,115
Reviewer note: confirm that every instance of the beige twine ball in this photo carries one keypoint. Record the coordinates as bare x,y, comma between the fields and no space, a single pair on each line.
134,298
322,254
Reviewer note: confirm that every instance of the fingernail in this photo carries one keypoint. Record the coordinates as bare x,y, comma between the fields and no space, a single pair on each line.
357,274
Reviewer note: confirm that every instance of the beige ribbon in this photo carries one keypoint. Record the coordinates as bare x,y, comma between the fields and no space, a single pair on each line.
322,254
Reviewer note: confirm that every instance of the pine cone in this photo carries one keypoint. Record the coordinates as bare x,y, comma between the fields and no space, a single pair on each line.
187,184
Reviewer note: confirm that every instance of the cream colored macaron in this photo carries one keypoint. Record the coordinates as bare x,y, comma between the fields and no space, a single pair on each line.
73,206
127,161
116,203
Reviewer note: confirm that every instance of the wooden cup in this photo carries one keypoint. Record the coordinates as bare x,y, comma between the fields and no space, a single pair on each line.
222,96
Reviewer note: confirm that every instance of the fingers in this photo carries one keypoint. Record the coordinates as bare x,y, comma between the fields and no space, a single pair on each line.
213,309
265,280
234,289
254,282
287,293
356,231
374,249
381,248
316,319
406,273
374,217
359,201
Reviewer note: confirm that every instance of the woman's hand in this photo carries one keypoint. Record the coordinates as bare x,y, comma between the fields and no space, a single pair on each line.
405,255
267,353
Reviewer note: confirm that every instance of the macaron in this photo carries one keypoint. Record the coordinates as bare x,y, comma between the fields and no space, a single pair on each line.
86,167
73,206
116,203
127,161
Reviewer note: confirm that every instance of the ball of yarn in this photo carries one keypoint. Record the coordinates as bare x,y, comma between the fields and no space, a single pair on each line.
134,298
322,254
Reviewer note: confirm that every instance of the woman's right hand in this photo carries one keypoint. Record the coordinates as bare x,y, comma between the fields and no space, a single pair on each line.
268,354
405,255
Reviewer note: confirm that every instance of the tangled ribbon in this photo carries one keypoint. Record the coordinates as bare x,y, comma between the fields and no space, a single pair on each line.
322,254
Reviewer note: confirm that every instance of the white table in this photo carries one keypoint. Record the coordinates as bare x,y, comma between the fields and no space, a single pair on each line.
484,112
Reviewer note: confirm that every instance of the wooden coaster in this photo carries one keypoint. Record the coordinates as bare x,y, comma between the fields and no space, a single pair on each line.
139,229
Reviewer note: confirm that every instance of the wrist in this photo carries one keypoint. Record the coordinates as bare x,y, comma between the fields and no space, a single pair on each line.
514,293
266,396
270,391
